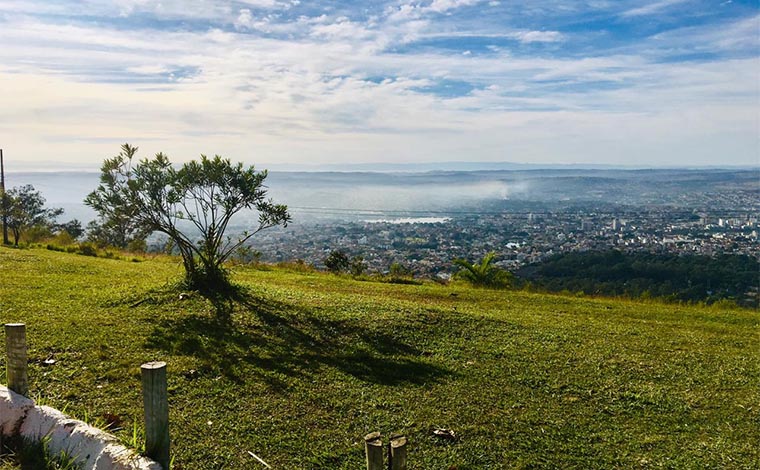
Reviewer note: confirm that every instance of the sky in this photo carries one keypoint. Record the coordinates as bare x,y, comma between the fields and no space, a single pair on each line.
278,82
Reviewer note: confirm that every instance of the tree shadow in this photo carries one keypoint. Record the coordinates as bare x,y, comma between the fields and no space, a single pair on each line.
274,341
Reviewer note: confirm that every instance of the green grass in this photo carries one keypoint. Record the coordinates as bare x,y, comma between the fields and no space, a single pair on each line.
19,454
303,365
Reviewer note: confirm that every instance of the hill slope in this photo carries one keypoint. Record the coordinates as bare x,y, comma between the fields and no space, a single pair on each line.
304,364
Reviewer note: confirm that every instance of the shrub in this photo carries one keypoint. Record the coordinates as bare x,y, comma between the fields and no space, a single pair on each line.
484,274
337,262
87,249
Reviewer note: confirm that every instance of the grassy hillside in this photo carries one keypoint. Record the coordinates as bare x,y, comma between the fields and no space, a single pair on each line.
302,365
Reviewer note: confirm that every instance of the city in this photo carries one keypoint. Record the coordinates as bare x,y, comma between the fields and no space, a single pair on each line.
713,220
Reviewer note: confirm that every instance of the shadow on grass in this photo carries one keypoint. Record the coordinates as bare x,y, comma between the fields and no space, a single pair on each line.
272,341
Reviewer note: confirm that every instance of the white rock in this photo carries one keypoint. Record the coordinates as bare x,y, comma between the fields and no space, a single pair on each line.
40,421
116,457
91,448
13,410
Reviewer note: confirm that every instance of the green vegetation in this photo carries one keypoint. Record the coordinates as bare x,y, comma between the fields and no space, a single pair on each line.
686,278
337,262
483,274
302,364
32,456
24,208
116,225
192,205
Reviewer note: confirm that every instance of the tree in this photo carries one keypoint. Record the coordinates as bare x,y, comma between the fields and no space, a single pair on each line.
358,266
72,227
485,274
117,224
26,209
398,271
337,261
192,205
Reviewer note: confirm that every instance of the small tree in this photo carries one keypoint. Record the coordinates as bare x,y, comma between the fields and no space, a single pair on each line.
192,205
358,266
72,227
337,261
485,274
26,209
399,271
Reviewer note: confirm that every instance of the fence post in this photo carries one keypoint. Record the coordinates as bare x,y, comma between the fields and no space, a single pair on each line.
373,447
397,453
156,404
15,350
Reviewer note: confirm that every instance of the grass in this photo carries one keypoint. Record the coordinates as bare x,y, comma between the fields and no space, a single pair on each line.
302,365
32,456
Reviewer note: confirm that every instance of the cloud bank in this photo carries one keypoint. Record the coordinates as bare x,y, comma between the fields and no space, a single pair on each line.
289,81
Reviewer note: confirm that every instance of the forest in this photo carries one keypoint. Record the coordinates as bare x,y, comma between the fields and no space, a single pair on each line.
686,278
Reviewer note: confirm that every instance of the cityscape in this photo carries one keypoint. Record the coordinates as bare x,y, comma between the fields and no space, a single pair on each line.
710,220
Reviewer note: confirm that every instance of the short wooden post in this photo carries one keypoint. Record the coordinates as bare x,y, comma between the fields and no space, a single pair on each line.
156,404
373,447
397,453
15,350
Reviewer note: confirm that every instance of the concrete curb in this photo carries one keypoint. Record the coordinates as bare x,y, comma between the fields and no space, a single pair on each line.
91,448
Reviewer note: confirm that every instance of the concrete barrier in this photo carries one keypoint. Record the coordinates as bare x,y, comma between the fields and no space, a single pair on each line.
89,447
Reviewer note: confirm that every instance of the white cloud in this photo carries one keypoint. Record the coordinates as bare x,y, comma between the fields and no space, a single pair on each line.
404,12
341,28
411,11
442,6
335,88
738,35
537,36
244,19
651,8
263,3
271,4
149,69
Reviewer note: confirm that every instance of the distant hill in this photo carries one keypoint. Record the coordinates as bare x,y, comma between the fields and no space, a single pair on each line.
56,166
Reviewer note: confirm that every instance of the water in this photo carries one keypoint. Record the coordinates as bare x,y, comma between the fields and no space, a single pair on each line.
310,197
410,220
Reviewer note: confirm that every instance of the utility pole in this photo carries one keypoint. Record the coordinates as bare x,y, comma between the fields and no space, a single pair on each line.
4,201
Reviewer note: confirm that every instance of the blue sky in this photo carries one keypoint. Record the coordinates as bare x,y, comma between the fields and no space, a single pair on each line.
652,82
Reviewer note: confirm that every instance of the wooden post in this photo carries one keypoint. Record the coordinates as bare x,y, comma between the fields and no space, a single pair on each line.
397,453
373,447
15,350
156,404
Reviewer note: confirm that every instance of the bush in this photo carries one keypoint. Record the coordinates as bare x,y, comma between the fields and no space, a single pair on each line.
63,238
358,266
337,262
483,274
298,266
138,245
87,249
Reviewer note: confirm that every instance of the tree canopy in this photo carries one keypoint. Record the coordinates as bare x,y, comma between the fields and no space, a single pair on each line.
116,225
193,205
25,208
682,277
